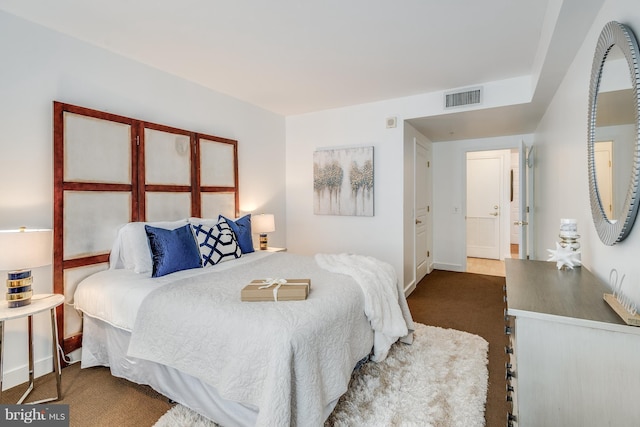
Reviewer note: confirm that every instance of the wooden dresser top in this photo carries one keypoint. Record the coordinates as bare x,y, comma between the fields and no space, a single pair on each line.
539,289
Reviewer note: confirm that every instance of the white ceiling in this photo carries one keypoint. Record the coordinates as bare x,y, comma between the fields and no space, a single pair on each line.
296,56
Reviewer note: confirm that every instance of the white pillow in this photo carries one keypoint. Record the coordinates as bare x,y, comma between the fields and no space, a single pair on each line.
131,249
209,222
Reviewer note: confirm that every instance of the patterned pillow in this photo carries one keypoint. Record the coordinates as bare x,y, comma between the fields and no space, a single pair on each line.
217,243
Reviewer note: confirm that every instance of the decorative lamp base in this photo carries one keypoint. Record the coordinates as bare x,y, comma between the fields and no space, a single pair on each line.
19,288
263,242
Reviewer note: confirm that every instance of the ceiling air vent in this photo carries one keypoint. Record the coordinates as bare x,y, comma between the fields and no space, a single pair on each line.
459,99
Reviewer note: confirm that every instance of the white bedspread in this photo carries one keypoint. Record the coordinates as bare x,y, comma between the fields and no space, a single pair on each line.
114,296
385,304
289,359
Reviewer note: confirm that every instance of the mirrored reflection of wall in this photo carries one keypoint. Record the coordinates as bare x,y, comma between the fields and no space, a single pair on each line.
603,158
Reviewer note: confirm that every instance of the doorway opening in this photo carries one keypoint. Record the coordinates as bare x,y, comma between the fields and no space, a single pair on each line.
492,210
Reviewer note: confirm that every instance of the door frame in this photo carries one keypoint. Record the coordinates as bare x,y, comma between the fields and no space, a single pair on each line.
505,247
428,226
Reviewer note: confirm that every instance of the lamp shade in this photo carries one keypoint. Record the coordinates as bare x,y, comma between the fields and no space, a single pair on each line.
25,248
263,223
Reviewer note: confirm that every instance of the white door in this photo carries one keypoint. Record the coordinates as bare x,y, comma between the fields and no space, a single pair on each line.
422,208
484,200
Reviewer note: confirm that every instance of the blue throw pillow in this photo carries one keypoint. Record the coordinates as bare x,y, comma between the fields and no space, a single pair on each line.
242,229
172,250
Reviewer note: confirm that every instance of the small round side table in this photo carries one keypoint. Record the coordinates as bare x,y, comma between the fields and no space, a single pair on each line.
39,303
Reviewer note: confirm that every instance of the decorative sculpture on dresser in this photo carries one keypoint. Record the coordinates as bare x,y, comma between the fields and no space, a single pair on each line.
567,253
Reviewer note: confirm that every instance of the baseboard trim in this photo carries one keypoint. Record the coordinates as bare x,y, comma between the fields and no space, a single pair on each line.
20,375
448,267
409,288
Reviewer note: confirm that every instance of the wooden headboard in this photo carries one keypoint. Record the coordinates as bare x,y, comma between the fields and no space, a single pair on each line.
110,170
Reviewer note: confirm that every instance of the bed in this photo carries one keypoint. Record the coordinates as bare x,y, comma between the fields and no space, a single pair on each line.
188,335
185,332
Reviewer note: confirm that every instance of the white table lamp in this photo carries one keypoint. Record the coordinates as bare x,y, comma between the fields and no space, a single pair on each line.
263,224
20,251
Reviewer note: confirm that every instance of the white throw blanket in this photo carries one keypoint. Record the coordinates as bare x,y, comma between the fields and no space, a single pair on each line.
385,303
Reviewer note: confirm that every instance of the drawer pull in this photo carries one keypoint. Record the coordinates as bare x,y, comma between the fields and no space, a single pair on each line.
509,398
510,374
507,330
510,388
508,350
511,419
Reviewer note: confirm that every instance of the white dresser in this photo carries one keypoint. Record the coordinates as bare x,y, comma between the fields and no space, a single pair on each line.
574,362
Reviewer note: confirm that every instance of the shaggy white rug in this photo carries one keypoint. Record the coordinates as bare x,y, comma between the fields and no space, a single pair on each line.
440,380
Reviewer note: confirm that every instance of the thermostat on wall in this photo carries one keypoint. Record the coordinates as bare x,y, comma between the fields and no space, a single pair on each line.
391,122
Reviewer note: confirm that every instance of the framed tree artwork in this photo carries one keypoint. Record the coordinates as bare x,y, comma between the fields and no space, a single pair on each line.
343,181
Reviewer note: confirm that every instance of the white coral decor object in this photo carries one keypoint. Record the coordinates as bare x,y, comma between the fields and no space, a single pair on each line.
564,256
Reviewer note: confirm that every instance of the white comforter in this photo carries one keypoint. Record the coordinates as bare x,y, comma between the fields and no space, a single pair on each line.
289,359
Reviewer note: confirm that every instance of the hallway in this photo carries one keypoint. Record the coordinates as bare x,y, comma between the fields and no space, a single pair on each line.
489,267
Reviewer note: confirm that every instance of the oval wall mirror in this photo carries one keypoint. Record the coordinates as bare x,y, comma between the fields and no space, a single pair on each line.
614,133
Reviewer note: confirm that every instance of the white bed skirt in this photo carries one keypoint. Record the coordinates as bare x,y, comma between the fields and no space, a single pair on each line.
105,345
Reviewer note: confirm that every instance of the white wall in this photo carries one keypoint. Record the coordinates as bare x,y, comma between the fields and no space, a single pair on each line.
562,188
40,66
379,235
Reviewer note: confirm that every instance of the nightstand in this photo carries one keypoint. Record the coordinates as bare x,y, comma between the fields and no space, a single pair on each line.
39,303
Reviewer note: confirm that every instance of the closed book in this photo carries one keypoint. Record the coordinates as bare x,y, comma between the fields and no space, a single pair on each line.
19,290
19,303
20,296
19,283
279,290
19,274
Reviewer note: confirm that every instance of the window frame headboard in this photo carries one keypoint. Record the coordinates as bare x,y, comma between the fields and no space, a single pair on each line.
205,190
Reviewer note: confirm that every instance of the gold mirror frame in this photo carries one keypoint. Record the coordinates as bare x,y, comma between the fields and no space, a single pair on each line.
617,229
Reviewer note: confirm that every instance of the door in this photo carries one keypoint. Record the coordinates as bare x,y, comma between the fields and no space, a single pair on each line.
485,179
422,208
